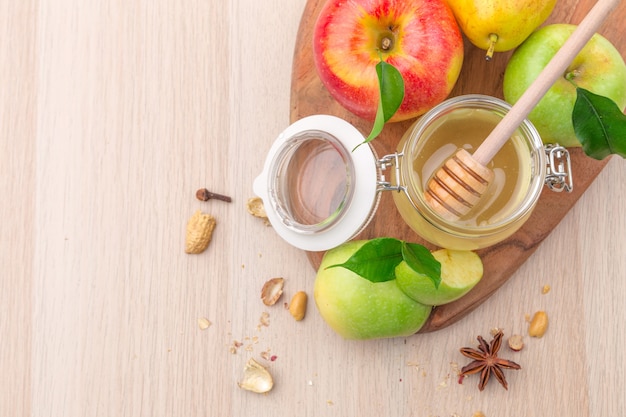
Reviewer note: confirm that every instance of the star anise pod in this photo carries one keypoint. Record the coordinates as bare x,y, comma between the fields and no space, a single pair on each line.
486,361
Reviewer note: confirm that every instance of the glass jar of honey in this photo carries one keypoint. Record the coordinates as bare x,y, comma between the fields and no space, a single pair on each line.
519,168
320,189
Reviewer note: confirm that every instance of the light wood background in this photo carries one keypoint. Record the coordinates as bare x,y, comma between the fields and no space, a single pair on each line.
112,114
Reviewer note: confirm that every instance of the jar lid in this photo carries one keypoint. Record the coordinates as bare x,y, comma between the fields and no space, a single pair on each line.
318,188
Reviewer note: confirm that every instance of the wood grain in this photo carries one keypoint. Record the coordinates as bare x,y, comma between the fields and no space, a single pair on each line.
308,96
112,114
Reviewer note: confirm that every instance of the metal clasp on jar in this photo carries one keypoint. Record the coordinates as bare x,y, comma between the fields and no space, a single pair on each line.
558,169
385,162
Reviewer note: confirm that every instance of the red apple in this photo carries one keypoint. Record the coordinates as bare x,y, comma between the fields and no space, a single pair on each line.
419,37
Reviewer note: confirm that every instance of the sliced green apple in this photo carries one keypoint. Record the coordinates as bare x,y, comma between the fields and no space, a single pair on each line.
460,272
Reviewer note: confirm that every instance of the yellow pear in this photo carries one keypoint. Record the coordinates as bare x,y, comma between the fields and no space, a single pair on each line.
500,25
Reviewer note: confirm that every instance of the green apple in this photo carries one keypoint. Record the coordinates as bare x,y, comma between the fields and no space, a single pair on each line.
357,308
460,272
598,67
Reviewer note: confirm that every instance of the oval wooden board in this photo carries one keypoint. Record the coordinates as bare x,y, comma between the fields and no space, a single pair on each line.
308,96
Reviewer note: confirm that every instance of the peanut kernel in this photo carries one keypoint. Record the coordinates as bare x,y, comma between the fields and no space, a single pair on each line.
297,307
204,323
538,325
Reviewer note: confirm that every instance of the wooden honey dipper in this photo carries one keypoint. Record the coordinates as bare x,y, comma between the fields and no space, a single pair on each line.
462,180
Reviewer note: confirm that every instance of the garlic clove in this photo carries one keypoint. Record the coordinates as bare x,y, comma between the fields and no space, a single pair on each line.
256,378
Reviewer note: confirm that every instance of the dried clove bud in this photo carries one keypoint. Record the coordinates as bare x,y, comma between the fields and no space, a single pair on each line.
205,195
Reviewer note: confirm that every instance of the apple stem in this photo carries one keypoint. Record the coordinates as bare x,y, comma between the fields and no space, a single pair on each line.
385,43
493,38
570,76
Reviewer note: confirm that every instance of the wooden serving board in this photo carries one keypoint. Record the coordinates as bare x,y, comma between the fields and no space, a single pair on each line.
309,96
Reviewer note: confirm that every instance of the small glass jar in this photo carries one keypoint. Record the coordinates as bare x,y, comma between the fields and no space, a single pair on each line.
318,186
321,186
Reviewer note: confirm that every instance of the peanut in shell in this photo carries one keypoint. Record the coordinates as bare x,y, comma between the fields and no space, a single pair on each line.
199,232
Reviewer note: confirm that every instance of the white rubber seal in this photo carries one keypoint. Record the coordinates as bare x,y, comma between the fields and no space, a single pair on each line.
354,215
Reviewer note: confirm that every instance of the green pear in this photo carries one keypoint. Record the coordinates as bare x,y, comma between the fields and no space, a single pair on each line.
496,25
460,272
357,308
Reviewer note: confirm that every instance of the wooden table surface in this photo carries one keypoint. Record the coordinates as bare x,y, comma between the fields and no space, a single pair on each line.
112,114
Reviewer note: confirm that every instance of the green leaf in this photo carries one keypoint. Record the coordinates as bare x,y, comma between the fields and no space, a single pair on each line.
422,261
376,260
599,124
391,87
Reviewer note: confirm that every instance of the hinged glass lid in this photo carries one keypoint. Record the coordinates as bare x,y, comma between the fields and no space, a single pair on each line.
317,189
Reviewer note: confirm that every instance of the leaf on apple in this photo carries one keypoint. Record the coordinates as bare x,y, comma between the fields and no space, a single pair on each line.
599,124
391,87
420,260
377,259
